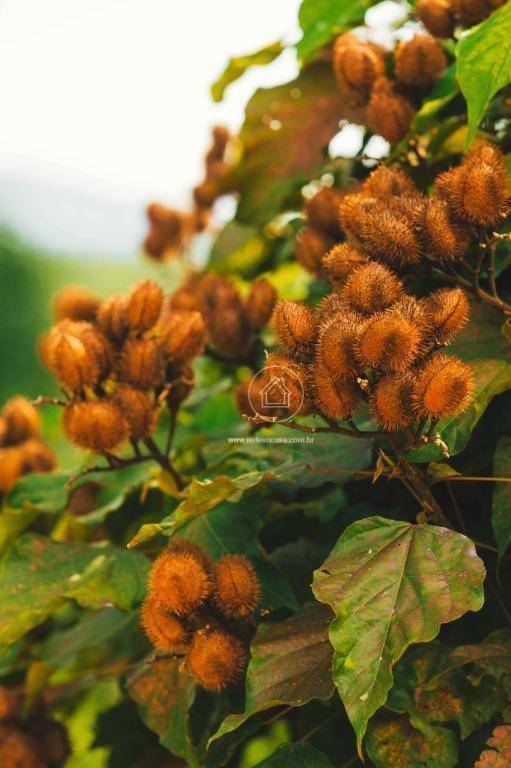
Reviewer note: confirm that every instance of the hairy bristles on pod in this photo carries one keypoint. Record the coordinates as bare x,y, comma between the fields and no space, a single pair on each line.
95,426
353,210
419,61
138,410
295,326
185,298
165,631
236,588
388,233
184,546
111,317
21,420
415,312
19,750
437,16
322,211
389,342
442,236
259,303
75,303
340,261
215,659
37,456
391,402
180,581
357,63
387,181
388,113
140,363
217,294
443,387
448,312
73,354
371,288
11,466
183,336
471,12
336,398
291,379
143,306
329,306
229,331
310,247
335,349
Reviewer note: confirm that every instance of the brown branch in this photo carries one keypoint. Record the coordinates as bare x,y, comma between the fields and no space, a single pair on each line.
42,400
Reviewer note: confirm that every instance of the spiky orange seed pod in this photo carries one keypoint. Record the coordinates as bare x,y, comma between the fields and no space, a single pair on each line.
18,750
191,548
180,581
443,387
166,632
322,211
259,303
387,232
21,420
293,376
357,63
388,181
229,331
138,410
448,312
329,306
184,336
143,305
371,288
111,317
96,426
419,61
310,247
340,261
471,12
295,326
437,16
442,236
389,342
140,364
336,398
37,456
217,294
75,303
388,113
353,209
335,349
215,659
11,466
391,402
185,298
236,589
71,359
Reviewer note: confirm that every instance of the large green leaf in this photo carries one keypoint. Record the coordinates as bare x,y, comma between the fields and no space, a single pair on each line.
395,741
296,756
290,664
321,20
484,64
501,503
238,65
391,584
39,575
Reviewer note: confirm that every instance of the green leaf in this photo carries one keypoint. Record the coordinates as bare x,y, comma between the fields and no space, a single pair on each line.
393,740
238,249
238,65
39,492
444,91
39,575
484,64
321,20
391,584
501,502
164,693
296,756
290,663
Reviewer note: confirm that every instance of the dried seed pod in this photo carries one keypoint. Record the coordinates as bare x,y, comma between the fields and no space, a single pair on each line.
415,311
335,349
295,326
352,210
95,426
389,342
215,659
138,410
290,379
21,420
336,398
443,387
329,306
259,303
437,16
388,113
166,632
340,261
11,467
310,247
186,299
217,294
419,61
180,581
322,211
75,303
140,364
37,456
229,332
441,235
371,288
236,589
388,232
357,63
111,317
448,312
18,750
388,181
71,358
391,402
143,305
184,336
471,12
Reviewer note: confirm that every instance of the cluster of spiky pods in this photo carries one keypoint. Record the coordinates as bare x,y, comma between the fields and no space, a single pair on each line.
170,230
21,449
29,741
201,610
118,362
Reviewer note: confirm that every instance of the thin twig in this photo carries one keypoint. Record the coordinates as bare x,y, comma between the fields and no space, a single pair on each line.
42,400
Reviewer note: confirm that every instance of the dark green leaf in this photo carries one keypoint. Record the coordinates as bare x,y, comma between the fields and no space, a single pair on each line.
238,65
501,503
321,20
46,493
296,756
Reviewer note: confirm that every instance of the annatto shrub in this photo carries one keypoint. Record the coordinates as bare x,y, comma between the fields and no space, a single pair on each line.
277,530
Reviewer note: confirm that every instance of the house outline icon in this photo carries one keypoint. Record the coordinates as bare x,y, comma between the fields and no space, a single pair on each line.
275,394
